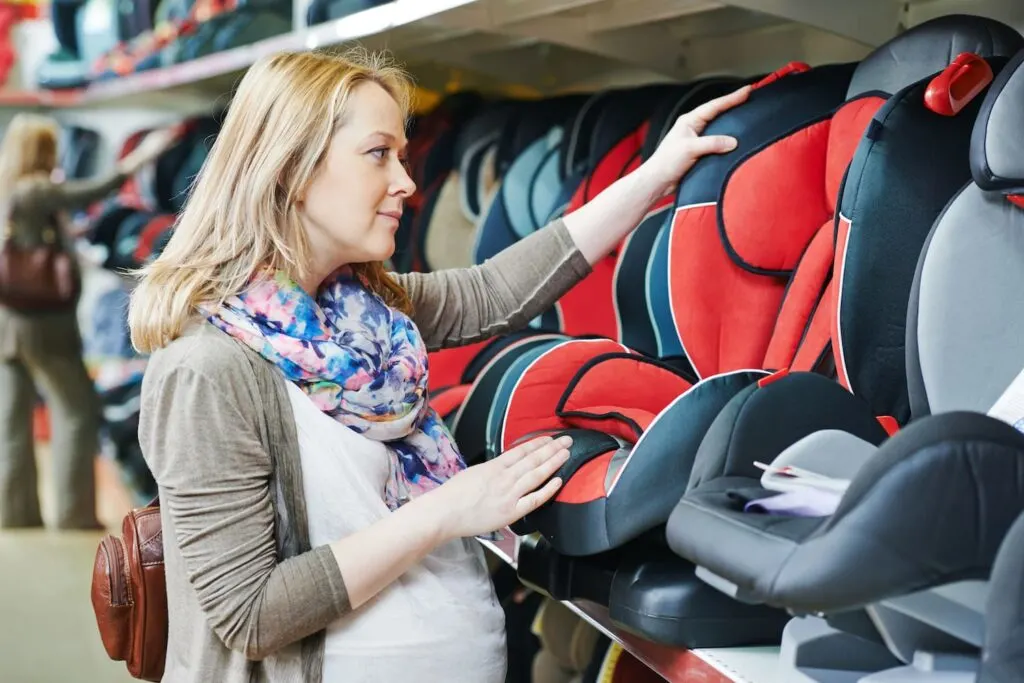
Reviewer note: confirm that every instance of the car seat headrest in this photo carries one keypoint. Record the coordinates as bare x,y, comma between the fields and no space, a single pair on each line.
928,48
997,146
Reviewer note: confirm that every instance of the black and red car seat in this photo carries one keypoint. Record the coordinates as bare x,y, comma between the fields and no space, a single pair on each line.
577,373
522,206
634,325
770,308
962,469
619,136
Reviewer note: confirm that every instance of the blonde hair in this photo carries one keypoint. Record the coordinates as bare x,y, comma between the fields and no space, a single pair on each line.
29,149
241,215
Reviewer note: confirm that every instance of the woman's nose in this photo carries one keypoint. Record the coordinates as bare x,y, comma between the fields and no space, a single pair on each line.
403,185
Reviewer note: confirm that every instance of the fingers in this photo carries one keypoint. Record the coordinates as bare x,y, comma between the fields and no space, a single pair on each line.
534,478
539,456
699,118
514,455
531,502
712,144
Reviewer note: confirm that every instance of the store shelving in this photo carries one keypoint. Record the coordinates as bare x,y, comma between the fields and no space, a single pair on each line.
546,45
675,665
552,45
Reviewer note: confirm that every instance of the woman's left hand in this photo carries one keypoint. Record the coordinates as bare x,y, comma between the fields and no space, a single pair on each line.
683,145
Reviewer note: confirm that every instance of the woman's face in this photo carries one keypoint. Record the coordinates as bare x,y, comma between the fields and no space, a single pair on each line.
352,207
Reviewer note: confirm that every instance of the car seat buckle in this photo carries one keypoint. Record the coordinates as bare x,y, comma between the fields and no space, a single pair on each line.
958,84
1017,199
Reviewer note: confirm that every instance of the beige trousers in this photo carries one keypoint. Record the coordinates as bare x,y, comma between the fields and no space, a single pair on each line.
44,352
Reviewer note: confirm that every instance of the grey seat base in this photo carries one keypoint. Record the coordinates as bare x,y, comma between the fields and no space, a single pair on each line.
817,652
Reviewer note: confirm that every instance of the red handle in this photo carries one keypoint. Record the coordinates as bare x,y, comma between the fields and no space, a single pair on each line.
791,68
958,84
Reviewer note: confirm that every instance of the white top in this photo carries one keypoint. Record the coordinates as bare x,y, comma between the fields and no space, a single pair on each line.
441,621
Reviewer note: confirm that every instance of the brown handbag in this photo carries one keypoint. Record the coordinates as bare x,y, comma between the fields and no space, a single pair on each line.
37,279
129,594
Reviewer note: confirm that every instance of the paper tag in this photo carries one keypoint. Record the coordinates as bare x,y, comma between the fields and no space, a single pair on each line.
790,478
1010,406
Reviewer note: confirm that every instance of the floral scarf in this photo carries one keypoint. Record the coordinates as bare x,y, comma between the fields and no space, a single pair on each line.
361,362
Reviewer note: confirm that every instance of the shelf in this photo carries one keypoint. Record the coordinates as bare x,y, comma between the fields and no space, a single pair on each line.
547,46
543,45
714,665
43,99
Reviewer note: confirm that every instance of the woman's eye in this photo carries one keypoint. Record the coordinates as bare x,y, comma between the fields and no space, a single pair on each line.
379,153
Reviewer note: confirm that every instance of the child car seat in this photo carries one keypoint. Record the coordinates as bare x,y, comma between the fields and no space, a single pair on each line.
452,227
618,138
634,324
1003,661
769,113
797,336
78,152
962,469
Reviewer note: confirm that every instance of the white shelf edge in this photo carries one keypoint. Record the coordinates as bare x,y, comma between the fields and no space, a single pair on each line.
364,24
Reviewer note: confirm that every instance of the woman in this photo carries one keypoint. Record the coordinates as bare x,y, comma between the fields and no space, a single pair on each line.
44,349
317,516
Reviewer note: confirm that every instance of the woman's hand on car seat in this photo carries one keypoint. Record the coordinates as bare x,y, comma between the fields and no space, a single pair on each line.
490,496
479,500
684,144
600,225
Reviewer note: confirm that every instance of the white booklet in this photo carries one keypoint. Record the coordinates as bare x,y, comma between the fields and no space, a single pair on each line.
788,478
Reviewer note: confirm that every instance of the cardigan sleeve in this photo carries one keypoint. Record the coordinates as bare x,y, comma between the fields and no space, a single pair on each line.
73,194
464,305
200,433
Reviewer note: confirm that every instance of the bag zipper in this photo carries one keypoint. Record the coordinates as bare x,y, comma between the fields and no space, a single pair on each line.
116,555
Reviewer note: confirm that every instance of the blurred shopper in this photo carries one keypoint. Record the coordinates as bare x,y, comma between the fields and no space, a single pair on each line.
43,350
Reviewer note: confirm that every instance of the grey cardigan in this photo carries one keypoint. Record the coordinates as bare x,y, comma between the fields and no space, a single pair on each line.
248,597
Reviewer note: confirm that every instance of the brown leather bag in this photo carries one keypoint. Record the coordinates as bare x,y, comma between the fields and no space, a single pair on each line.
37,279
129,594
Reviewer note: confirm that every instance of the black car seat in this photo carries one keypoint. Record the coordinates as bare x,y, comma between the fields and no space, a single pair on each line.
79,147
64,68
620,132
533,137
927,508
1003,656
452,228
